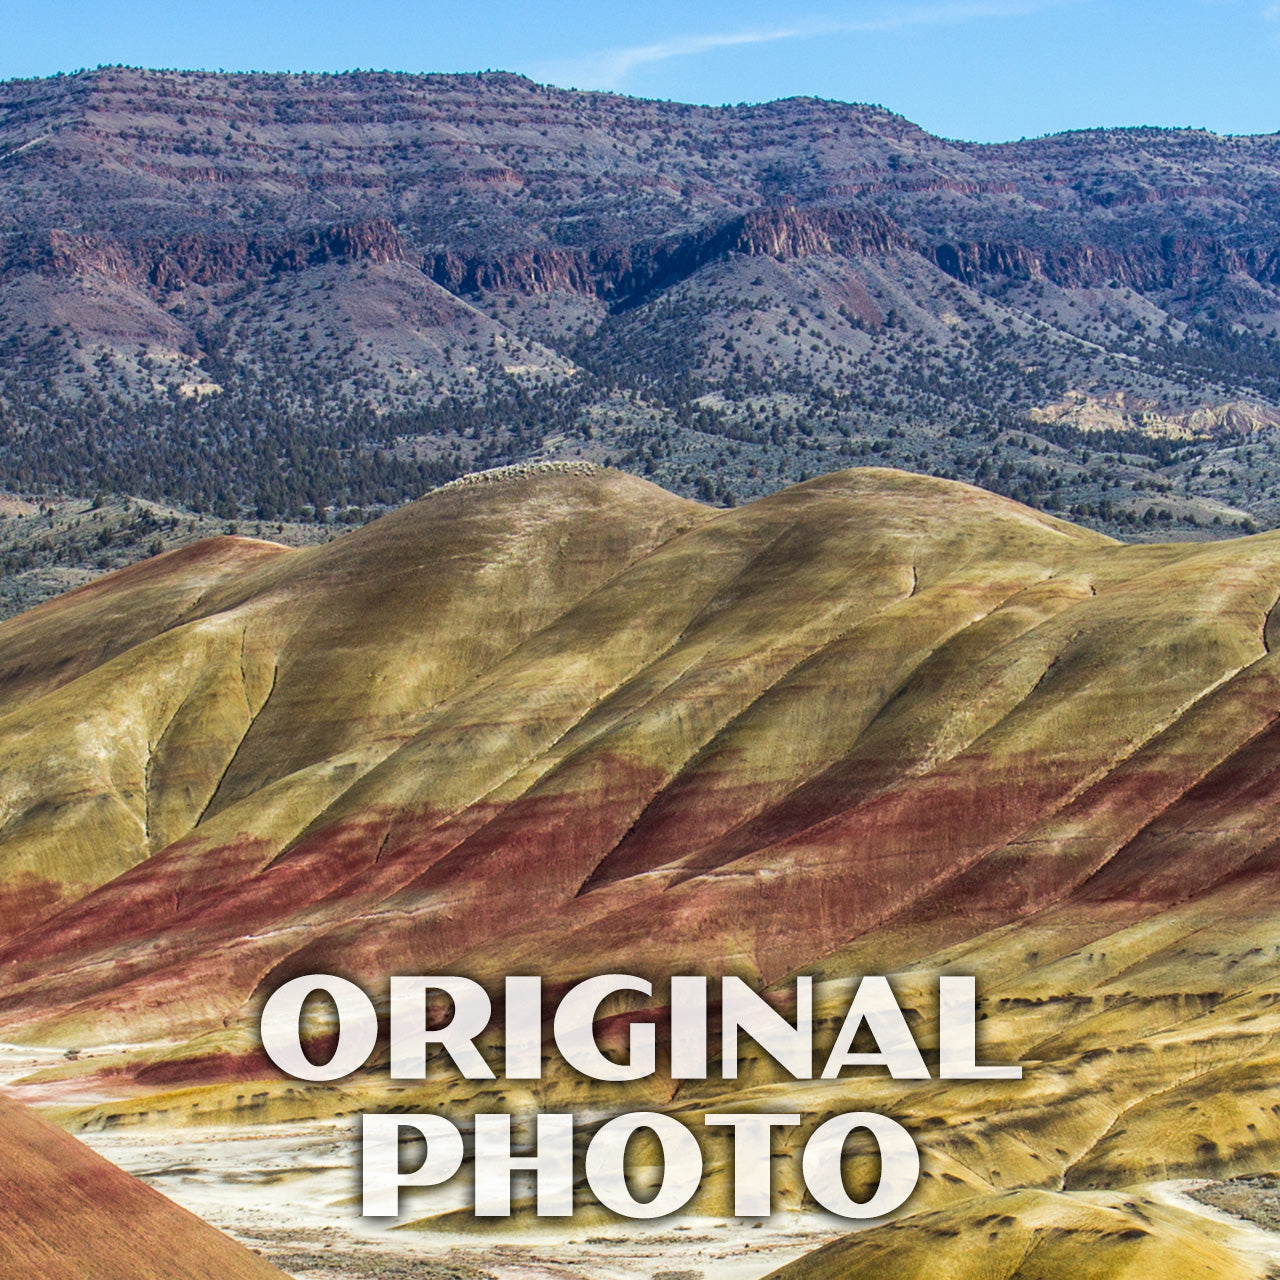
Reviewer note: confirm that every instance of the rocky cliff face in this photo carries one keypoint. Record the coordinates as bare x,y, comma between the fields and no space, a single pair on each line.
208,259
627,275
1172,262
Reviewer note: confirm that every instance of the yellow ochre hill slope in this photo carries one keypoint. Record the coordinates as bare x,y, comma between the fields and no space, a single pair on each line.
562,720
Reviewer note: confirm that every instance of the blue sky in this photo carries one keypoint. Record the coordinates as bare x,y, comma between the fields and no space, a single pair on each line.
979,69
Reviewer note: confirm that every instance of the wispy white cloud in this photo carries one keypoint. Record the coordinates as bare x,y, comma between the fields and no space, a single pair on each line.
1270,14
610,68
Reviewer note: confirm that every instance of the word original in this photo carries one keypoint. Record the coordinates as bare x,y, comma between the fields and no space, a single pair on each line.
449,1014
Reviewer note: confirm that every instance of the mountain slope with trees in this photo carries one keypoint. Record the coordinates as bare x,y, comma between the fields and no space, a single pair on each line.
291,298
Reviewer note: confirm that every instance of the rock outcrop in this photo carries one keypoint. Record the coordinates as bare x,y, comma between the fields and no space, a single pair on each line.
624,276
210,259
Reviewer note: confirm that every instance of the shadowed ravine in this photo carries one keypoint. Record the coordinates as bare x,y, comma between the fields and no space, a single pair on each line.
564,722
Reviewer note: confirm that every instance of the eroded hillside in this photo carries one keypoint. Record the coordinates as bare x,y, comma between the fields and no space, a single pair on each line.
550,722
67,1213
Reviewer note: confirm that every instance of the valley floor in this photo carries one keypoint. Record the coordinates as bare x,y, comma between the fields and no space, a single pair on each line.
287,1191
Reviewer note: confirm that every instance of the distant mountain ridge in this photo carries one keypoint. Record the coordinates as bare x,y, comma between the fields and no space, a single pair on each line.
379,145
272,296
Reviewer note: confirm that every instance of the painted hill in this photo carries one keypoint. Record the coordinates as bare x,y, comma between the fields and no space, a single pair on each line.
872,723
1029,1235
66,1213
